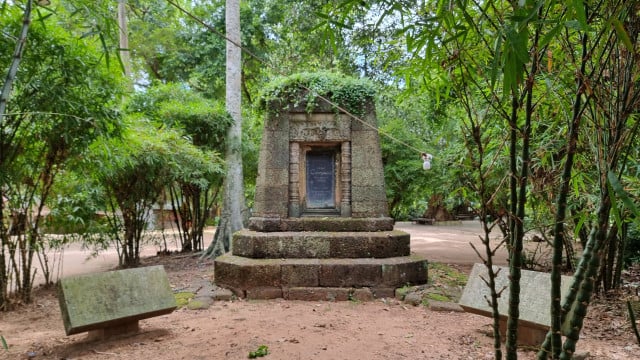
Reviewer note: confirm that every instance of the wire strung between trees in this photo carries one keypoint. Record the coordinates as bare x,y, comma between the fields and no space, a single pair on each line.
264,62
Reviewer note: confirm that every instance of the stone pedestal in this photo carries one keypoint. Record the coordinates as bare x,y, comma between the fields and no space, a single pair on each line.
320,228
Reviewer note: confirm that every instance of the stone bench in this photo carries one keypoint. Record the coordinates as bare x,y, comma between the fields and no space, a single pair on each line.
535,303
112,303
423,221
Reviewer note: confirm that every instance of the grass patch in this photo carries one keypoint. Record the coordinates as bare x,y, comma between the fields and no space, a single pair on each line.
439,297
183,298
446,275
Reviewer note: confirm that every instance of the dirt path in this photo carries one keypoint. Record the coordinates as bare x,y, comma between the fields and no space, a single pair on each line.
381,329
438,243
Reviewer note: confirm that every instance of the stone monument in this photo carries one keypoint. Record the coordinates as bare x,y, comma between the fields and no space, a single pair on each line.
320,228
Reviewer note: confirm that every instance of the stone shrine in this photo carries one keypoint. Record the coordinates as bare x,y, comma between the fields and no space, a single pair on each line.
320,228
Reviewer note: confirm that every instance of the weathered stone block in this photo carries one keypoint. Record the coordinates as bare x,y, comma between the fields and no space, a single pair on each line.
535,318
362,294
114,299
273,223
317,294
300,275
320,245
318,127
368,194
264,293
266,224
273,200
277,177
402,271
349,273
369,209
241,273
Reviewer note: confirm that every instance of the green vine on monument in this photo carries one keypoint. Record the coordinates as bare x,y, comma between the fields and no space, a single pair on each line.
344,91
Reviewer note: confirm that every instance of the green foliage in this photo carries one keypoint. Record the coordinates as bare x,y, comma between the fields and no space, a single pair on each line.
204,121
438,297
134,170
62,101
421,124
263,350
5,346
171,47
346,92
63,83
75,204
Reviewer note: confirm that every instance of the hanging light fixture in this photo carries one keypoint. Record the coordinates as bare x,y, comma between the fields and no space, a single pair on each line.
426,161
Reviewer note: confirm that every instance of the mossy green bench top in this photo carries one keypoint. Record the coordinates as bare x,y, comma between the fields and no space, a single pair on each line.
114,298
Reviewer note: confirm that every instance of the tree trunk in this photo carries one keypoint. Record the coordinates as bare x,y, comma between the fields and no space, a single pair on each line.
124,38
232,218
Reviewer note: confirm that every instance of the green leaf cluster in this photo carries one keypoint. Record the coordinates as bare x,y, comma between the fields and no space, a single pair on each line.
343,91
203,121
263,350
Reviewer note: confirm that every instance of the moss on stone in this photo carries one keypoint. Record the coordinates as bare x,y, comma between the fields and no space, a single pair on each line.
196,305
183,298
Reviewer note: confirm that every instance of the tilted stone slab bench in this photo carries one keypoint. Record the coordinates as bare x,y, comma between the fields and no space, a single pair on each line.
113,302
535,301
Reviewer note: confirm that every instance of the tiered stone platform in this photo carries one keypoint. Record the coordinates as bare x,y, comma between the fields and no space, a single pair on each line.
320,265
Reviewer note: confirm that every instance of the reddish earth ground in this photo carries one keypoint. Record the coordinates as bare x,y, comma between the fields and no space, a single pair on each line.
381,329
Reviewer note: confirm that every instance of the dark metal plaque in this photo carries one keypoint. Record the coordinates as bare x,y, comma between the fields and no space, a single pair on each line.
320,180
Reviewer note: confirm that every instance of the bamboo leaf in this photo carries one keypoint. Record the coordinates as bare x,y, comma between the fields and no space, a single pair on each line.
581,14
4,343
622,34
579,226
330,20
622,194
104,48
546,39
495,65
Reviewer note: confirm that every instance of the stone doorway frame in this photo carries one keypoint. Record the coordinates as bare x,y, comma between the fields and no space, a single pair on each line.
342,178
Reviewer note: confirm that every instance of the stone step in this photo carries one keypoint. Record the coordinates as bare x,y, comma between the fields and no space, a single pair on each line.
320,223
320,245
320,293
245,275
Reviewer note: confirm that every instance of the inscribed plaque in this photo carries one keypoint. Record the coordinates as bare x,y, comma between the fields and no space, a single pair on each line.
320,169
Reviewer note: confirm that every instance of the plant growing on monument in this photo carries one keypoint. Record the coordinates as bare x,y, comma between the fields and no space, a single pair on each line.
347,92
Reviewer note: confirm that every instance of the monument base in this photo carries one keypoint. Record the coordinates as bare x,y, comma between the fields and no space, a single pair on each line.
318,279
